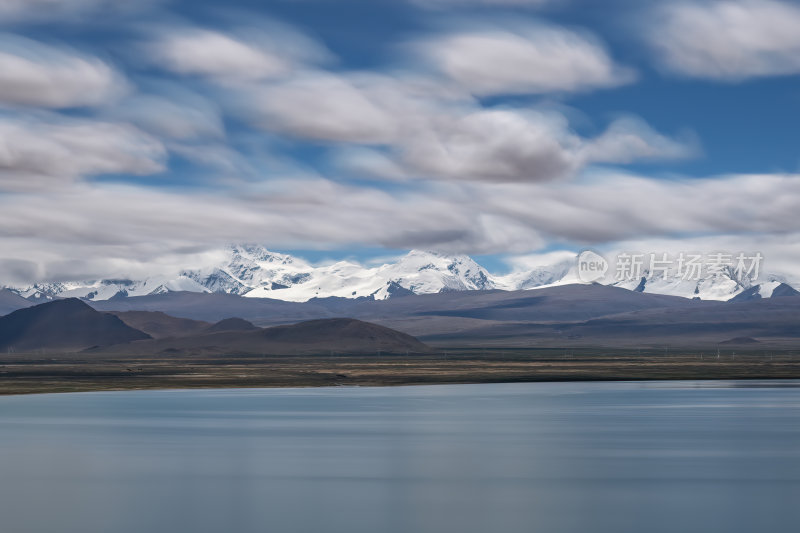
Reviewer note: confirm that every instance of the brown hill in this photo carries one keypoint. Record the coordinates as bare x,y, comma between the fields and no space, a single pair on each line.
63,325
341,336
160,325
231,324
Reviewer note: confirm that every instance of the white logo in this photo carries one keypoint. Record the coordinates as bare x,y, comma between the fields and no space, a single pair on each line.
591,266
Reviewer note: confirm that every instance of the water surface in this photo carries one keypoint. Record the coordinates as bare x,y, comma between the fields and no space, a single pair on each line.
549,457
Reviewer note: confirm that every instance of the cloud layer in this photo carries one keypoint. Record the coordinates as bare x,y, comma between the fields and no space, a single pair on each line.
729,39
153,144
51,152
528,59
131,225
35,74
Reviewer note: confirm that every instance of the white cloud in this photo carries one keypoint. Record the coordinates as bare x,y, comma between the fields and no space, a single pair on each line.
514,145
494,145
182,116
433,131
491,3
243,54
59,228
67,10
531,60
322,106
630,139
39,153
728,40
610,207
212,53
35,74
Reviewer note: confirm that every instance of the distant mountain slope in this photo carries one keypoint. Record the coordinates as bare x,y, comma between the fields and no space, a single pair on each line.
212,307
62,325
11,301
564,303
159,325
231,324
551,304
340,336
774,322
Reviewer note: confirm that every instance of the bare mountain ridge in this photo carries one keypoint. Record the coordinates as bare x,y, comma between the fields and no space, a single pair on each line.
11,301
555,316
337,336
72,325
63,325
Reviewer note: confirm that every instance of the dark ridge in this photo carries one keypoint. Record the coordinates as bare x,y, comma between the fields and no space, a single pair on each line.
781,291
784,290
741,340
395,290
642,284
160,325
231,324
340,336
333,330
11,301
66,324
747,295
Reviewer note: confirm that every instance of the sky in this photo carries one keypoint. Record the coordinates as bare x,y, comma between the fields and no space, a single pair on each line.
138,137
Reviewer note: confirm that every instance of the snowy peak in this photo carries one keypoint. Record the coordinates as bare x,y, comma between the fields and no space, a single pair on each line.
428,272
767,289
245,268
417,272
558,273
256,272
720,286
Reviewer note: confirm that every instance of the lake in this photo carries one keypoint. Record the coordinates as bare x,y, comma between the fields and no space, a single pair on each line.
538,457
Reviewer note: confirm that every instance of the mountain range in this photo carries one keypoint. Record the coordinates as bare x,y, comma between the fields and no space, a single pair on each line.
562,316
255,272
71,325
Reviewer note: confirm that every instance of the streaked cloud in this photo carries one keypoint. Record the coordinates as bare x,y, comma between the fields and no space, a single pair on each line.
728,40
177,115
319,105
36,74
528,59
630,139
455,4
67,10
454,131
140,225
42,152
430,131
245,53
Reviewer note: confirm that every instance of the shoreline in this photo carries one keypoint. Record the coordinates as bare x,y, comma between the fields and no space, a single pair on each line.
73,373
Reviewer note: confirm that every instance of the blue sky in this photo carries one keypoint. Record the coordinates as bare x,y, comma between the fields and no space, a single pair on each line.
146,136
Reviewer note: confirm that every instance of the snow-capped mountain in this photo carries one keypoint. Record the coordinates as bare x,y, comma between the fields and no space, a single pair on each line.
768,289
110,288
718,287
722,286
255,272
559,273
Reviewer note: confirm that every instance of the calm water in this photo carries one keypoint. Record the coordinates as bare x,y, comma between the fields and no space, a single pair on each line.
613,457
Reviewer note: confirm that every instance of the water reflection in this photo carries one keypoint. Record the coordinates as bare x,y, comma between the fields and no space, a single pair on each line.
469,458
